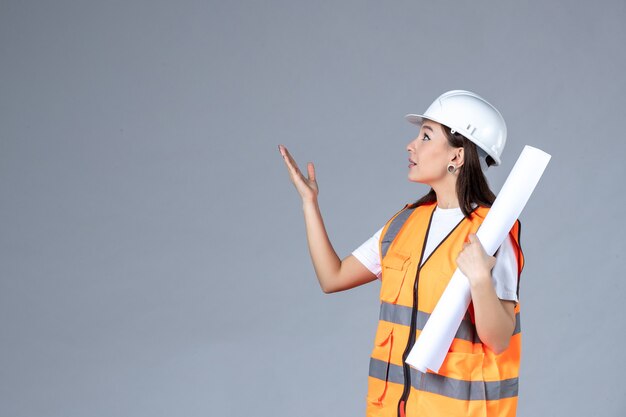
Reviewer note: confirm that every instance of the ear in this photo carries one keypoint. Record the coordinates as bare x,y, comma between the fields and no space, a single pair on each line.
459,157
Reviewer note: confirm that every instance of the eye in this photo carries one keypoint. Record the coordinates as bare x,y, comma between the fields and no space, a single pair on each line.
426,137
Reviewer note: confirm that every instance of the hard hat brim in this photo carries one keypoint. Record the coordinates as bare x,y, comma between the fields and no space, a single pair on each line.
416,119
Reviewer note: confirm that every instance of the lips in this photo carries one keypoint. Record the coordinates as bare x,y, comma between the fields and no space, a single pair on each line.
411,163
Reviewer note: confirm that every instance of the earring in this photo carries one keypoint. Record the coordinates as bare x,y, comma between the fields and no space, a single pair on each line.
451,168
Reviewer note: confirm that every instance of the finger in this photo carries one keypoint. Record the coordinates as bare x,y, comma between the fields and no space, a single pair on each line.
474,240
460,259
311,171
291,162
283,152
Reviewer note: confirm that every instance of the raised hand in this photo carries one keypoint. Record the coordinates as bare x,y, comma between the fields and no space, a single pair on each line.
307,187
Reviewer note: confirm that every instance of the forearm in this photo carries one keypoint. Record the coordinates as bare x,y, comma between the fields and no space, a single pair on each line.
493,323
325,260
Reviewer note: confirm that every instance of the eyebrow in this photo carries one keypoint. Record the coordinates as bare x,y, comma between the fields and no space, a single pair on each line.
428,127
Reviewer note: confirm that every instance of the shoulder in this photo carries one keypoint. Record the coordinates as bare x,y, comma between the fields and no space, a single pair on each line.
480,212
403,214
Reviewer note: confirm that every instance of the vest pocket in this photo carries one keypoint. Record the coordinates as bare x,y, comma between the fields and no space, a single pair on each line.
380,362
395,266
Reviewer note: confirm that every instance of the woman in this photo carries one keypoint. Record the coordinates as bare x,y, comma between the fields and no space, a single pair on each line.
415,254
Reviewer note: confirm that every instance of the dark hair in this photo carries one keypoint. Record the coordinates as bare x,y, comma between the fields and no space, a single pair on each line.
471,185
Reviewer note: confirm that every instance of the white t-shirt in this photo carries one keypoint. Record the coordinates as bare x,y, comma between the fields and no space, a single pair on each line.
504,273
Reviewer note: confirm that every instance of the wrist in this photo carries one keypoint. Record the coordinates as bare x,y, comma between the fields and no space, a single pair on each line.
481,282
309,203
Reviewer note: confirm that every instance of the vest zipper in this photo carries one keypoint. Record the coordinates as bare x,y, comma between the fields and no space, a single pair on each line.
411,341
406,368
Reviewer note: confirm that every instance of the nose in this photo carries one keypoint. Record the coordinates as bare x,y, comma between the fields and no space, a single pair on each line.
411,145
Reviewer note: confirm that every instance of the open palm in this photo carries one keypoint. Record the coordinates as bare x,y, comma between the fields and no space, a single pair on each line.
307,187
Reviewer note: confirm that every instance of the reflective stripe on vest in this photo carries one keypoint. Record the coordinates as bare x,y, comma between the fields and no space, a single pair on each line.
473,381
449,387
402,315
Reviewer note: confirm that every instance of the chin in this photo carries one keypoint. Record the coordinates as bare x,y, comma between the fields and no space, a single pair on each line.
420,180
413,179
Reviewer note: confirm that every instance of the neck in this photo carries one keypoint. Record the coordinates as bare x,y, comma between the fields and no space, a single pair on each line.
446,194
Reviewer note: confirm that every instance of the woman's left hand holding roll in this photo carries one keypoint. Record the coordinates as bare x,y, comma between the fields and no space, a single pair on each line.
475,263
495,318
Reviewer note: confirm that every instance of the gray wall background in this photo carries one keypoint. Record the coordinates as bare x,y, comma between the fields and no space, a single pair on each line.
153,251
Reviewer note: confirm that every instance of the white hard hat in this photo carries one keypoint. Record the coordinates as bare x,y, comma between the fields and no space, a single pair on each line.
470,115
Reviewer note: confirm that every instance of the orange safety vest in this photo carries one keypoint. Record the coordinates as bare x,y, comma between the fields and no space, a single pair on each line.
473,380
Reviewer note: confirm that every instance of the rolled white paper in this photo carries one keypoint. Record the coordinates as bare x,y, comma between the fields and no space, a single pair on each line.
432,345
